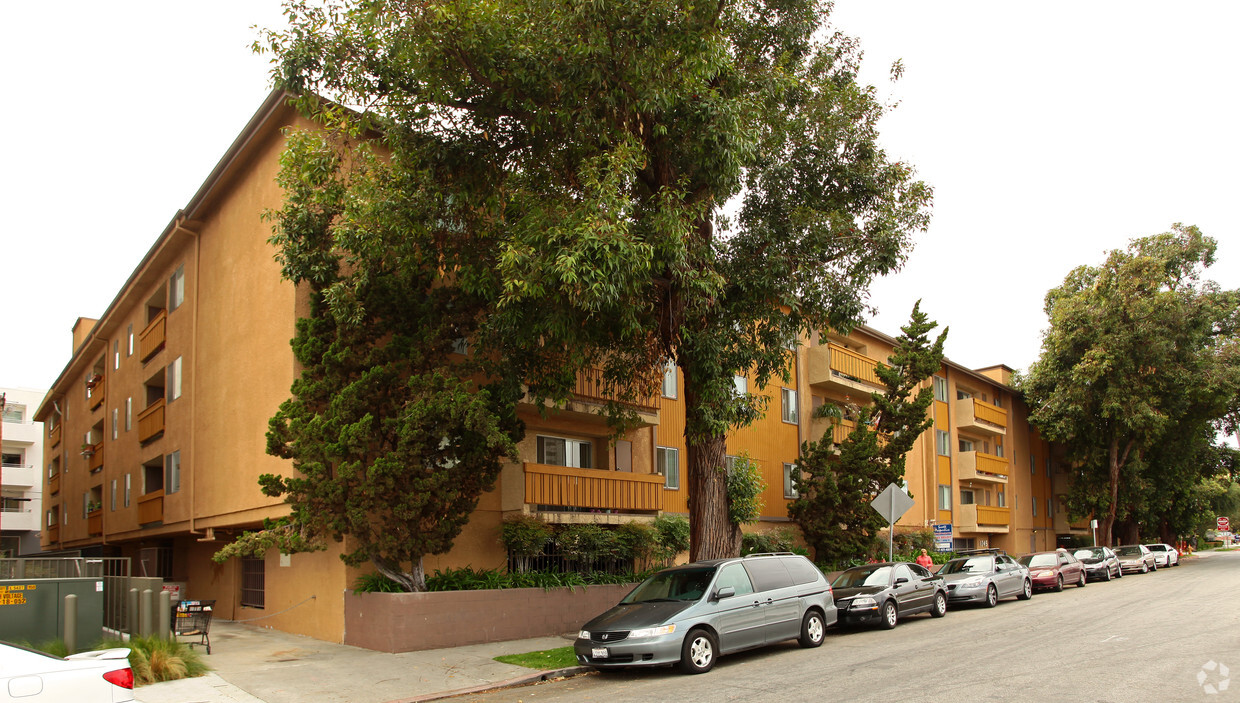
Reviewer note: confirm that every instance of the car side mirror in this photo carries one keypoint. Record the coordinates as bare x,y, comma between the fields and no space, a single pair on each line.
725,592
901,580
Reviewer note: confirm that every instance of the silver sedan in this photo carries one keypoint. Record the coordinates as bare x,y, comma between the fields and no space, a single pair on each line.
985,579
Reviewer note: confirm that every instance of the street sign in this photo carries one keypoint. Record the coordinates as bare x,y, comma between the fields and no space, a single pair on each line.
943,538
892,503
1224,523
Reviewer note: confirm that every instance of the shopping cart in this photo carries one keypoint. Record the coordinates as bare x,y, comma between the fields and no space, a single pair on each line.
193,619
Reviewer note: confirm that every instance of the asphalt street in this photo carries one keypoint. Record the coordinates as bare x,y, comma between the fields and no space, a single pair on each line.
1164,636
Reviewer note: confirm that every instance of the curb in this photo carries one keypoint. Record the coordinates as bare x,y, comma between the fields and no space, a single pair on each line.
525,680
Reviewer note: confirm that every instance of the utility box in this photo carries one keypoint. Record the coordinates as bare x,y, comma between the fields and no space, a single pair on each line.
34,610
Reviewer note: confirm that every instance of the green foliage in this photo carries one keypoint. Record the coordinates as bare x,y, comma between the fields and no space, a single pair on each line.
155,659
673,537
1138,365
587,544
469,579
574,185
558,658
745,486
376,583
837,482
781,540
525,536
914,541
638,542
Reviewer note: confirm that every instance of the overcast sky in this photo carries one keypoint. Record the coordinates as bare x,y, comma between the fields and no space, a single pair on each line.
1051,133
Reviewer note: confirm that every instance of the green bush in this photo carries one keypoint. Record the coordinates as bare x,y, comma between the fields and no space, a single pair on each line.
525,537
376,583
638,542
155,659
469,579
673,537
587,544
745,486
781,540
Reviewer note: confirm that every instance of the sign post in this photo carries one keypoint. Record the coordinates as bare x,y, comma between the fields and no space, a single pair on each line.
891,504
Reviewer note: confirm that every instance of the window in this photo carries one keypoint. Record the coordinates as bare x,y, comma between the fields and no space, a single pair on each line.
997,402
1033,543
128,487
966,496
1033,465
129,341
790,489
116,354
559,451
176,289
963,395
734,575
1048,466
668,460
128,414
940,388
945,497
116,422
729,463
669,380
741,384
1001,499
789,397
1050,508
942,441
85,504
999,450
966,445
172,472
14,413
114,491
1034,503
253,582
174,379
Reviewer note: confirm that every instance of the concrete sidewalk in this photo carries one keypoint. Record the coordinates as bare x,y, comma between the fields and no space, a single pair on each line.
256,665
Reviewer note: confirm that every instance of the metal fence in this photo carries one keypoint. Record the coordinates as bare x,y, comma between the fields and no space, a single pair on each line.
114,571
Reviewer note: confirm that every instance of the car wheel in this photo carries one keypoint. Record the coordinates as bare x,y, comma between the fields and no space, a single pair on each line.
891,615
697,654
940,605
1119,573
1081,582
1145,568
813,629
1027,592
1154,567
1059,582
992,596
1108,574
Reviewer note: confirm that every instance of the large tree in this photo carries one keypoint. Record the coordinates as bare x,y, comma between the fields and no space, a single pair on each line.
591,149
1134,355
837,481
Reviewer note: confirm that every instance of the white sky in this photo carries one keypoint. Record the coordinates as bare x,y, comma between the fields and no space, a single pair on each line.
1051,132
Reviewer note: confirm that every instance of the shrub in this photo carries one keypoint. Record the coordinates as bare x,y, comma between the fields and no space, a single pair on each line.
468,579
781,540
154,659
673,537
524,536
587,544
745,486
638,542
376,583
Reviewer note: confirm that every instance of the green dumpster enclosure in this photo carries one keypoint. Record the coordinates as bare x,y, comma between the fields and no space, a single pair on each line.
34,609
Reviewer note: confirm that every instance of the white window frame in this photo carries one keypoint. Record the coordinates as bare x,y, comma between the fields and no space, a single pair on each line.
790,490
667,465
176,288
128,488
943,443
741,384
940,388
128,413
174,379
945,497
670,385
172,472
129,343
972,496
966,443
116,423
116,354
571,448
788,397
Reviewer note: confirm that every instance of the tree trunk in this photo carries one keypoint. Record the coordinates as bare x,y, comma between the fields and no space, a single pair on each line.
711,534
413,581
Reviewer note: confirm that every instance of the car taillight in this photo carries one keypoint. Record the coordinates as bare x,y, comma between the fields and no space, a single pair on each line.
120,677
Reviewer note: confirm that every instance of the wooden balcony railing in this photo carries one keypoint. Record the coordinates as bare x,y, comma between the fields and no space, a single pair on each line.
153,337
979,416
95,460
848,363
54,437
53,533
590,387
991,515
151,507
983,518
592,488
97,389
981,466
53,484
151,421
94,522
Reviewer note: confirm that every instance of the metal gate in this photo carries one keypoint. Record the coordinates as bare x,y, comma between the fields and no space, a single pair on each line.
113,570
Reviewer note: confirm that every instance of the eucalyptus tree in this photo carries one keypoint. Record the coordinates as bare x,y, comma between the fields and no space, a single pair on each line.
591,154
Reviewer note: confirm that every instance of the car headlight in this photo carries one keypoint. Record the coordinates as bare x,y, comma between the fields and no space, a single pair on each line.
652,631
971,582
583,635
864,602
1043,573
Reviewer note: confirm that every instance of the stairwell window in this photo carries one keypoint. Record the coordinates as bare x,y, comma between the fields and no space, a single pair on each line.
172,472
940,389
129,343
945,497
943,442
789,397
667,461
561,451
174,379
176,289
669,380
790,489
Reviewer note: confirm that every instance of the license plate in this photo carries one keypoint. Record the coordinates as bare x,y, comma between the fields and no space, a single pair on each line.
599,652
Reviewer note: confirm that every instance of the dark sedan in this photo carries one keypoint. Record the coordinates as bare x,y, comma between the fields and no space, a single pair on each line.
884,593
1101,564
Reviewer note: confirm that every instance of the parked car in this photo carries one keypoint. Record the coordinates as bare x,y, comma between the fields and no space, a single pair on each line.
1101,564
883,593
1136,558
694,613
1164,554
985,579
101,676
1051,570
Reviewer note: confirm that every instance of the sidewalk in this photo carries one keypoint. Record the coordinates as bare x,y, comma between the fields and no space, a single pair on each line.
256,665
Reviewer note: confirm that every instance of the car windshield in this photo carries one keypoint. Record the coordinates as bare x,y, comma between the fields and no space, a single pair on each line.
1128,551
864,576
1089,553
972,565
1039,560
1156,547
673,585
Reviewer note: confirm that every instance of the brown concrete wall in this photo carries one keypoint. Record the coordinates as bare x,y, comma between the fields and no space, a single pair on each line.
410,622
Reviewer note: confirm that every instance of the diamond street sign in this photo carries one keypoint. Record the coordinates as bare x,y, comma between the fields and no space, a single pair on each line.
892,503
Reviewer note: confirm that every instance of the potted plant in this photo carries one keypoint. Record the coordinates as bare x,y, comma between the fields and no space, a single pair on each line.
88,450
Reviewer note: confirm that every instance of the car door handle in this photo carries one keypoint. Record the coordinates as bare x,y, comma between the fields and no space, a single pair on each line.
756,603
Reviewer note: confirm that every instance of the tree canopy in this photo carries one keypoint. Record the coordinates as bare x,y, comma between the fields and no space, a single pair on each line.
1134,364
587,153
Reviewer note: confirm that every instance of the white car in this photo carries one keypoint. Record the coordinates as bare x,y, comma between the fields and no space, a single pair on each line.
1164,554
101,676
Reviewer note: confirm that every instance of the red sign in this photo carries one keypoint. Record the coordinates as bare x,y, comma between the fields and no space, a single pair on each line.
1224,524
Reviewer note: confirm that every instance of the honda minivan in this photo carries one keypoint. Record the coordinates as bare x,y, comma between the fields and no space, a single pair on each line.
694,613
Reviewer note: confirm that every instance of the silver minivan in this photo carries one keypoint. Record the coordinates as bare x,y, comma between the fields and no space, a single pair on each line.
696,612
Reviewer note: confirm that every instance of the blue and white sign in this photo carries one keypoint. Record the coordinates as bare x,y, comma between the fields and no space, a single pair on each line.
943,538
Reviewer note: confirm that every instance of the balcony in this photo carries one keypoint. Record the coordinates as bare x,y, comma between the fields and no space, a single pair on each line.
1063,526
597,489
980,466
53,484
153,338
94,522
94,460
983,518
843,370
590,388
151,507
151,421
95,387
24,520
981,417
53,437
53,533
24,476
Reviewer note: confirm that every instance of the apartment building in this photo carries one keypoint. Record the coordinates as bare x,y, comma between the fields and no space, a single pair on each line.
21,461
154,432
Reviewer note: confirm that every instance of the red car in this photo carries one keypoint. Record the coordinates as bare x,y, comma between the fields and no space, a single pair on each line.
1053,569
